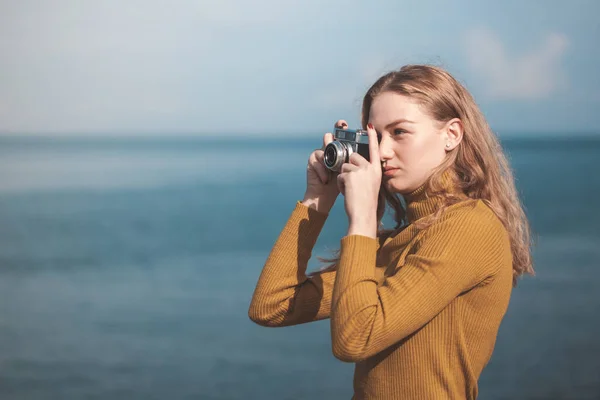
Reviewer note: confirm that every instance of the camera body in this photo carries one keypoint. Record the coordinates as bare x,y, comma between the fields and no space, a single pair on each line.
345,142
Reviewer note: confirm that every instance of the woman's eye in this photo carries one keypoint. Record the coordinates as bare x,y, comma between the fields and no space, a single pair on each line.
398,131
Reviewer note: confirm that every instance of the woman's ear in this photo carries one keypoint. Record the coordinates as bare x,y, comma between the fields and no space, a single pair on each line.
454,133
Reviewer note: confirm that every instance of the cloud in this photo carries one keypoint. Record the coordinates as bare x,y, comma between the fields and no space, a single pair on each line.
534,75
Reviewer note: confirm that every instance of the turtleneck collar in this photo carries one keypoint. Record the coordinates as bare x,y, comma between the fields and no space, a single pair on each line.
419,204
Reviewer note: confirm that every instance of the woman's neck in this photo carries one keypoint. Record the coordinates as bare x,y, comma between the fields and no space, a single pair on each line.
419,204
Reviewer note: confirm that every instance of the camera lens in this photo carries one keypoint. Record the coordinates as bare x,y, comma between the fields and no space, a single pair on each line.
334,155
330,156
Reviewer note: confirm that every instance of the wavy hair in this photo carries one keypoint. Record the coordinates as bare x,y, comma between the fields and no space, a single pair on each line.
477,166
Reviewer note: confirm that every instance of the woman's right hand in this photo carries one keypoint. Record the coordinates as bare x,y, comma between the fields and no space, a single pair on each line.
321,183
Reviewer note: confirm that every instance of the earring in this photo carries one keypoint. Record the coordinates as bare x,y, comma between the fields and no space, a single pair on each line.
447,144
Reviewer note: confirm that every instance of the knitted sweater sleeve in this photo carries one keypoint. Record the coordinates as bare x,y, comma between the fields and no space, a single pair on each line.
284,295
453,256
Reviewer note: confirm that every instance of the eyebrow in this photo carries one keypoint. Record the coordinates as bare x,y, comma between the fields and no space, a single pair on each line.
398,121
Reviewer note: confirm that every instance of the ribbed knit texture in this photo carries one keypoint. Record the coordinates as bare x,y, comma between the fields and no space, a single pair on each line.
417,312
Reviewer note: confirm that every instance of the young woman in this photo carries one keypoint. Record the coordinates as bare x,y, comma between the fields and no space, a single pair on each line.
417,307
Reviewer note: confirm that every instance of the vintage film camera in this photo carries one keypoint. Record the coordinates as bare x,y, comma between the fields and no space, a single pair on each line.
345,142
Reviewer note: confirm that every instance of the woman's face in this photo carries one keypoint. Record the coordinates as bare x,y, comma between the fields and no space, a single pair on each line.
410,141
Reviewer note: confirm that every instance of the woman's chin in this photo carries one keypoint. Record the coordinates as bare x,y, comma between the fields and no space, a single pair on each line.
394,185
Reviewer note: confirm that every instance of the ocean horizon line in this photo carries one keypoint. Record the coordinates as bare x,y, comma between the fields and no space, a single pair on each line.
284,136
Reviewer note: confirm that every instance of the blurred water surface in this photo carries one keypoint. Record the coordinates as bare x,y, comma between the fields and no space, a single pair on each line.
127,267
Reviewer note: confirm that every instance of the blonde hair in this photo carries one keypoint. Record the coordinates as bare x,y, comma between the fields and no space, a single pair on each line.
479,167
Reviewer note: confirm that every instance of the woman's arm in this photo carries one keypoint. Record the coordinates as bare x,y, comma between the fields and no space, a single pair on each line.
454,255
284,295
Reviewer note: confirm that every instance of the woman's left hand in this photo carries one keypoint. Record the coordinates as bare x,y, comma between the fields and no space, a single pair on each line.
359,181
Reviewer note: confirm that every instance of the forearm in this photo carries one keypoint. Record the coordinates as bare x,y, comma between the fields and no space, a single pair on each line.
354,299
283,294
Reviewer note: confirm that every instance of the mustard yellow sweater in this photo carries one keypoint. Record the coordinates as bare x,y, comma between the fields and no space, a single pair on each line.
418,312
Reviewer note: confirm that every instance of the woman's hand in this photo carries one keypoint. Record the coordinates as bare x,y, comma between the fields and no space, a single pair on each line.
321,184
359,181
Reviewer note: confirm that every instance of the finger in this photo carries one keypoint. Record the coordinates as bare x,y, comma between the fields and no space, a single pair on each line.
316,163
327,138
340,183
341,124
356,160
349,167
320,168
373,145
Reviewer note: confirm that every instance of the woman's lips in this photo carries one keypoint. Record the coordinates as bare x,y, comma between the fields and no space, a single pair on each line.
390,172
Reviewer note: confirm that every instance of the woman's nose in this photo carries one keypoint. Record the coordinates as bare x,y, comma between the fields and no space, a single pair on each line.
385,150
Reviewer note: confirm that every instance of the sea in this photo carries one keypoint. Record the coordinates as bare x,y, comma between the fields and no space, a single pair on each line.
127,266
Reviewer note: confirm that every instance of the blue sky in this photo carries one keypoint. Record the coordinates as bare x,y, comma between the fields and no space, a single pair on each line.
267,67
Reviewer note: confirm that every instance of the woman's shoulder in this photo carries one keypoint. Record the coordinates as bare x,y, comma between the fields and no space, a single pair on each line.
473,214
470,229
